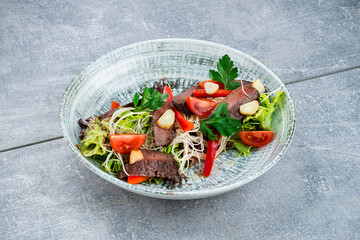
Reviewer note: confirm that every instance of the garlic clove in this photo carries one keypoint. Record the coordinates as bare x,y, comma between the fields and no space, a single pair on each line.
166,120
249,108
211,88
258,85
136,155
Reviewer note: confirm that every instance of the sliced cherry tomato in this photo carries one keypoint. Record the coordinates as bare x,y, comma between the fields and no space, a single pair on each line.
221,85
185,124
201,107
210,155
202,94
114,105
124,143
137,179
256,138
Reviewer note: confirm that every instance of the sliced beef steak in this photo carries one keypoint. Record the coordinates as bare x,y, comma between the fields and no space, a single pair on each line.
238,97
179,100
245,83
154,164
163,137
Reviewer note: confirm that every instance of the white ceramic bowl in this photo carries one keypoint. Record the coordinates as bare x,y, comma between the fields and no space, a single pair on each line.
120,73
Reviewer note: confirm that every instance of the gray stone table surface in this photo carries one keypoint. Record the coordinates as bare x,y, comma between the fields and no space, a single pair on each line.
312,193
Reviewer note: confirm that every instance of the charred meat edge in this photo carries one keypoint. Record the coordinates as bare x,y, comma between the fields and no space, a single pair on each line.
154,164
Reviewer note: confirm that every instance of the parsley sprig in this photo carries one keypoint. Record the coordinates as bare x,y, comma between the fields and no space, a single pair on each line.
226,73
151,99
221,121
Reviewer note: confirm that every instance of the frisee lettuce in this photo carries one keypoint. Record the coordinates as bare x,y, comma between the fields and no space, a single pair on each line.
95,139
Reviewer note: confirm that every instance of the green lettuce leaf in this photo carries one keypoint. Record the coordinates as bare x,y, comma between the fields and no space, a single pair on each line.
264,115
240,146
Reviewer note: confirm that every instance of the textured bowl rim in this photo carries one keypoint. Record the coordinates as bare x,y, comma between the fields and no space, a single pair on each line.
139,189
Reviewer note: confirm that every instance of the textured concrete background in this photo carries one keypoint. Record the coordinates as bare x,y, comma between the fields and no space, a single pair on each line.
312,193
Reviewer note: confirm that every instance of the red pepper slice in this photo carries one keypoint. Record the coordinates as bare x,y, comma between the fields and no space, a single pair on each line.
185,124
220,93
167,90
114,105
210,155
137,179
221,85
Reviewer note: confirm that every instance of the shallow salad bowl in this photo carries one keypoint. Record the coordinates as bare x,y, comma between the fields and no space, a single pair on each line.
117,75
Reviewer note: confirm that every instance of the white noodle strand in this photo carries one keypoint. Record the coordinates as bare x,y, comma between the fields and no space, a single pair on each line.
269,94
242,87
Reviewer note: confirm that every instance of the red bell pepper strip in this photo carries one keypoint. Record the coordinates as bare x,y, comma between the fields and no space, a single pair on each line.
210,156
137,179
114,105
202,84
167,90
185,124
220,93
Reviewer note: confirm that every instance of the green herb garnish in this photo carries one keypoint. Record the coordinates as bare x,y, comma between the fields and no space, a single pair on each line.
151,99
136,99
221,121
226,73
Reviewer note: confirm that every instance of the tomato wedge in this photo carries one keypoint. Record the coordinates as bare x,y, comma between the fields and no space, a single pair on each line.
185,124
221,85
137,179
201,107
256,138
114,105
124,143
202,94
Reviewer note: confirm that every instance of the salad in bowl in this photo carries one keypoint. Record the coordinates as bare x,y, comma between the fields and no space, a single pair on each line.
219,120
158,136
